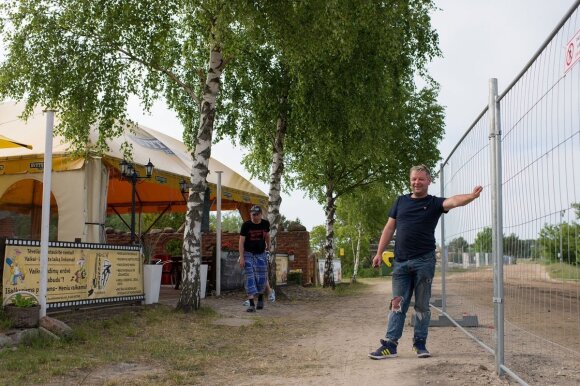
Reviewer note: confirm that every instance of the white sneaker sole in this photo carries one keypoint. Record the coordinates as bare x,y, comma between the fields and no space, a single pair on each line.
379,357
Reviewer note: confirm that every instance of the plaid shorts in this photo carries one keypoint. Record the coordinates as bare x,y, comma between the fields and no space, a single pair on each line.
256,269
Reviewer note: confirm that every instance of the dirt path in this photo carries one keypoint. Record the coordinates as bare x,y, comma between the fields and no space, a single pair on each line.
344,329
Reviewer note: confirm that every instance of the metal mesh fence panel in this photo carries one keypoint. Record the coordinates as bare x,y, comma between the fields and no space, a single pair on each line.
540,122
468,232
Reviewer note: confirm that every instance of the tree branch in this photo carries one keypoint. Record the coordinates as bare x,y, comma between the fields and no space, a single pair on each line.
165,71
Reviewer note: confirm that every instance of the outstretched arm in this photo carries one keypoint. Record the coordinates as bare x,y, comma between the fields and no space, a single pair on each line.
461,199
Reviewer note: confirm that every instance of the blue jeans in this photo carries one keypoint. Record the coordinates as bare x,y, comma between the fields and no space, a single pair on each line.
415,275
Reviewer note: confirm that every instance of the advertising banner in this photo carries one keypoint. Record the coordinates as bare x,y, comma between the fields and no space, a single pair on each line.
78,273
281,269
336,269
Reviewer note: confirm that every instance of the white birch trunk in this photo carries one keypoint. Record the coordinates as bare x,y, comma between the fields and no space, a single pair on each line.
190,299
275,199
329,210
356,255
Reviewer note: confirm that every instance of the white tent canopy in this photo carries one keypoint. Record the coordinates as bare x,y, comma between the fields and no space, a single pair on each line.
84,190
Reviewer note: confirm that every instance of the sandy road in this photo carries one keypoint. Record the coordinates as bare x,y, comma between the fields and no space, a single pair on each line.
334,352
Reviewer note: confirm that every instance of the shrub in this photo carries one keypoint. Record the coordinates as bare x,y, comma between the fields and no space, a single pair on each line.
295,276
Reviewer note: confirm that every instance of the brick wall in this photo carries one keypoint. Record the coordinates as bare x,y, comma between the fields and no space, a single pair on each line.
7,227
296,241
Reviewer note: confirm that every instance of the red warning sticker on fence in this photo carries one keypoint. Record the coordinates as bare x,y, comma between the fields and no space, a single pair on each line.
572,52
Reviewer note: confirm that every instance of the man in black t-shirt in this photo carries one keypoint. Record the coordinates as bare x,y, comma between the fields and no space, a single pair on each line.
253,246
414,216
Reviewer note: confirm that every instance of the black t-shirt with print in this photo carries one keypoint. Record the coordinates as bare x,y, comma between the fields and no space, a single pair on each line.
255,235
416,221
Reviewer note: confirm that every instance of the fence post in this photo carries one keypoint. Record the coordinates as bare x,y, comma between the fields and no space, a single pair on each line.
443,248
497,223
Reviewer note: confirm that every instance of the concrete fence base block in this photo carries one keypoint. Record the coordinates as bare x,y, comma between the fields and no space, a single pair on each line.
434,302
443,321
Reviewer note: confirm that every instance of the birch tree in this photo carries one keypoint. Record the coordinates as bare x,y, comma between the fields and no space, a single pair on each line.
366,119
85,58
255,114
264,88
363,215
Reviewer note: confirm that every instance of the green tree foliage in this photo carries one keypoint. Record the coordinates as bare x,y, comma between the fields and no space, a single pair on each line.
361,217
512,244
458,245
85,58
560,242
231,222
576,207
318,239
148,220
483,242
263,87
364,120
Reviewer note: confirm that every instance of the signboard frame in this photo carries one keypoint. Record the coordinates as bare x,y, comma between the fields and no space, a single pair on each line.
79,274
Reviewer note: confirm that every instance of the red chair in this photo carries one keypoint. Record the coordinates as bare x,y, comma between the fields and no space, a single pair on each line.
166,271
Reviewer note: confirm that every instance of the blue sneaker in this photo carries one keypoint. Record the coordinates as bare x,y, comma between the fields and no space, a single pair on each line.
388,349
272,296
420,348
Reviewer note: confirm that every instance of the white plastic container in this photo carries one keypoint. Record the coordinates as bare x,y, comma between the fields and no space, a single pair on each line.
152,282
203,283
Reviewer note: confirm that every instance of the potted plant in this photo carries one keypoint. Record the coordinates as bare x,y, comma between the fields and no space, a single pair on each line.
22,309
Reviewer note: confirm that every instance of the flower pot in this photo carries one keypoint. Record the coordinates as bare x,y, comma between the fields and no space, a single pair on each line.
23,317
152,282
203,280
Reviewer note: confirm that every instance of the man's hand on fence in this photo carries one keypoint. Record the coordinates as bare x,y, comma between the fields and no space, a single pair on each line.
476,191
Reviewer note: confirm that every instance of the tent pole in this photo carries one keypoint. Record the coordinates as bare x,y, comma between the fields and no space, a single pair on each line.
45,227
218,236
133,180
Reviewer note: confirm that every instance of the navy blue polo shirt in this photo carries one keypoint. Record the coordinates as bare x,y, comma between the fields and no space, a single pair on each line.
416,221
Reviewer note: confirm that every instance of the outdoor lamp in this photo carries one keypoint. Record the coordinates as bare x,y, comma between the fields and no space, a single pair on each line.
182,186
124,166
129,173
149,169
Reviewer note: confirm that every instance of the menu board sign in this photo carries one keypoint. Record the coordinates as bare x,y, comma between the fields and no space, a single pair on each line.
78,273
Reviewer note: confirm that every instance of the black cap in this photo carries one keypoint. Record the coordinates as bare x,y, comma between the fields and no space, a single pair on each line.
256,209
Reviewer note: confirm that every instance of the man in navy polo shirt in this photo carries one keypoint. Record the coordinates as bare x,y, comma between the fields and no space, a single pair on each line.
414,216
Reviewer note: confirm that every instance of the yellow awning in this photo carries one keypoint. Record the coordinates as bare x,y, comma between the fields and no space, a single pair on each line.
6,142
35,164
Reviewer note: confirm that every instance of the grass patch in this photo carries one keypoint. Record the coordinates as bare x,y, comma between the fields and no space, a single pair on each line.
5,323
362,272
563,271
169,347
349,289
